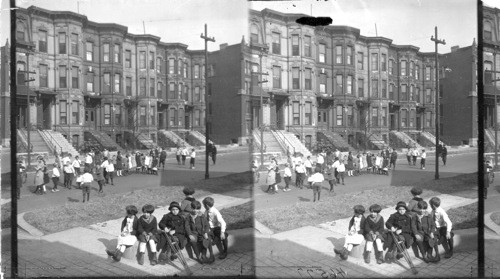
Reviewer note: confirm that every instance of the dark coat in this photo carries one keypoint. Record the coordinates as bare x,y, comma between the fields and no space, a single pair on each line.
145,228
176,222
135,226
198,226
374,227
361,226
186,206
424,226
412,205
402,222
394,156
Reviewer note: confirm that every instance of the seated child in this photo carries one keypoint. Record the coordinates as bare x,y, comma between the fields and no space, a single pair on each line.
443,227
374,232
424,230
175,227
147,230
217,224
400,225
198,230
128,235
355,234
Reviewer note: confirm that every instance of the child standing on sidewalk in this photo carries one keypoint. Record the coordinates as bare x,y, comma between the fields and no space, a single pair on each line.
55,177
330,176
443,227
217,228
147,229
128,235
87,179
301,174
193,158
374,232
341,171
100,177
355,234
316,180
287,176
423,156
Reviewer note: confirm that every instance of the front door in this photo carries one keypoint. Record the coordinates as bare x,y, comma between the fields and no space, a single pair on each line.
280,115
90,118
46,119
160,120
187,122
419,123
322,119
76,141
393,121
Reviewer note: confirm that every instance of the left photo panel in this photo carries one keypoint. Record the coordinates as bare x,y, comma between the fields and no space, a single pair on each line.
131,158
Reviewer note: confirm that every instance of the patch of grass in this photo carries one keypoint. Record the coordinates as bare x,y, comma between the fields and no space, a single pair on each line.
239,217
332,207
495,217
240,184
6,211
464,217
464,185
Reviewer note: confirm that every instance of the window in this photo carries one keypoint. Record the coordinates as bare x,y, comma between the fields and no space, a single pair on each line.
20,32
171,90
375,88
404,94
75,112
417,72
384,62
412,68
428,95
307,46
179,67
172,117
296,113
107,83
322,83
89,51
404,117
487,31
276,43
152,114
427,73
152,87
391,67
74,78
295,45
339,116
186,93
118,83
142,60
375,117
254,34
412,97
374,64
276,77
428,118
384,116
349,51
62,43
44,79
90,83
322,53
105,52
403,67
118,114
151,60
158,90
338,55
107,114
158,64
197,118
63,112
350,116
307,83
361,88
142,86
74,44
171,66
142,115
308,113
62,77
128,59
42,41
417,95
391,91
116,53
360,61
338,84
384,88
412,118
196,71
185,70
295,78
349,84
128,86
197,96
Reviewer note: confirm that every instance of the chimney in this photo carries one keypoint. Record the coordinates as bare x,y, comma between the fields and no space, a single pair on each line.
223,46
454,48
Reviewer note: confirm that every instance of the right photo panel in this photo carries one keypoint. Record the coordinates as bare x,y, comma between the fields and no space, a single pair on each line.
365,138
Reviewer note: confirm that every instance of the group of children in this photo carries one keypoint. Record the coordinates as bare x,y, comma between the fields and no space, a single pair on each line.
413,153
185,226
182,153
412,225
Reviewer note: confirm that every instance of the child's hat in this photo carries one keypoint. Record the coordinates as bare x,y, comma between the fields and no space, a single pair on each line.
174,204
401,204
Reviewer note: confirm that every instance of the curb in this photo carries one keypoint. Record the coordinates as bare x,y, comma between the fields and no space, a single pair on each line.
27,227
490,224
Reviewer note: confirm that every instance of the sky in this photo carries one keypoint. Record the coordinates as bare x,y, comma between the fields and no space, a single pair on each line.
173,20
406,22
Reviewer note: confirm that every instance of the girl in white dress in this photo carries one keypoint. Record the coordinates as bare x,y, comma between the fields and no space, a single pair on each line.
128,235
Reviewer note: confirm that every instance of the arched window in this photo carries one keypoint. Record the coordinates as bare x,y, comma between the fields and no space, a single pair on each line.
487,31
254,34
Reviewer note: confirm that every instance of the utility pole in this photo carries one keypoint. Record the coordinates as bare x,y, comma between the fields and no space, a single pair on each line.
207,122
436,43
262,126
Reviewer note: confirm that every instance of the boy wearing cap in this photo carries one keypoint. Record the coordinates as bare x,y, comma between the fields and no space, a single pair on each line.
424,231
198,230
355,235
175,226
443,226
401,225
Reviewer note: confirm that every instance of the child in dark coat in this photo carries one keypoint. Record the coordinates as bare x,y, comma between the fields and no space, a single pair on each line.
147,233
198,230
374,232
100,177
413,209
424,230
401,226
355,236
175,227
128,235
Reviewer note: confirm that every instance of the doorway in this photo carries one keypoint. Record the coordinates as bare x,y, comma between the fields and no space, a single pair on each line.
393,121
76,141
22,117
90,120
187,122
322,119
419,123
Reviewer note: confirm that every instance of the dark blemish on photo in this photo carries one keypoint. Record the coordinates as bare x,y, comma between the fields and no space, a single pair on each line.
315,21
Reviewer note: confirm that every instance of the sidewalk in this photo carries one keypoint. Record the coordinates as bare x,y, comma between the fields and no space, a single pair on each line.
81,252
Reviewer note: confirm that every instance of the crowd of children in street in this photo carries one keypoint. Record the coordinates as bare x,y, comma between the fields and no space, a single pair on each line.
412,225
184,227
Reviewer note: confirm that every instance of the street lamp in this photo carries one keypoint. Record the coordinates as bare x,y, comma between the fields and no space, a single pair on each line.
436,43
